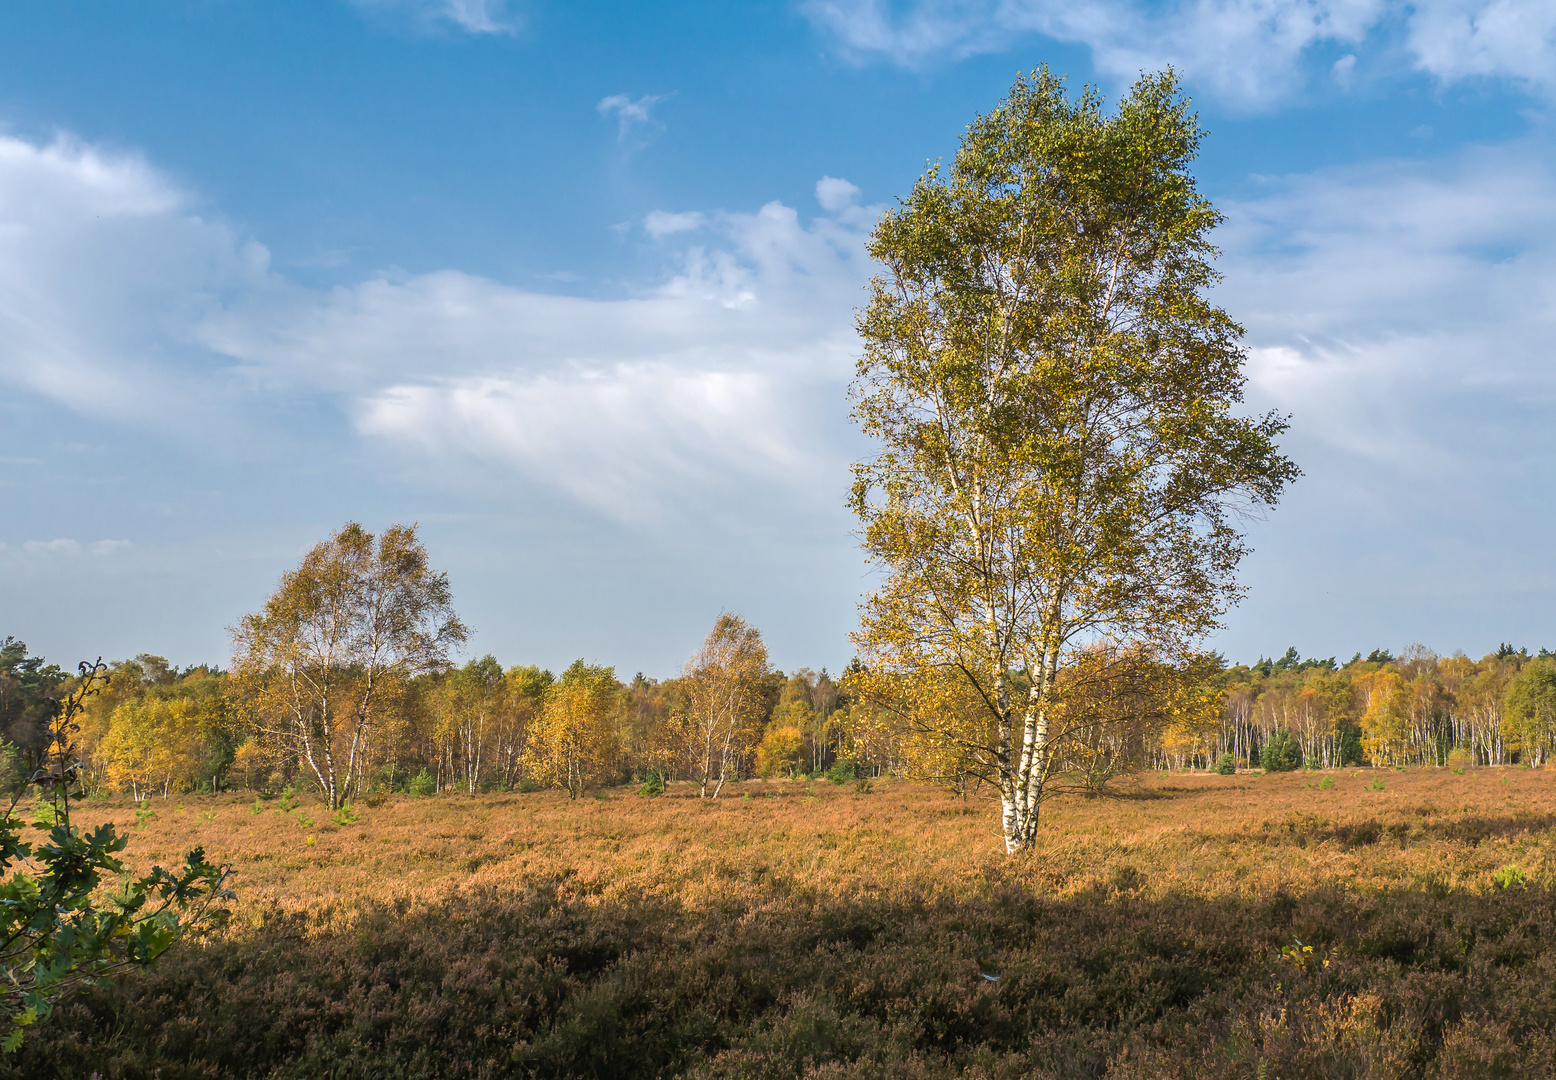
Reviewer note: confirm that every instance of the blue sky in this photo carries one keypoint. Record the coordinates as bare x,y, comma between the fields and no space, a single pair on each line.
572,287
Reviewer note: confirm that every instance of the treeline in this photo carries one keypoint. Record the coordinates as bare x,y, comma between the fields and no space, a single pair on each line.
1415,709
160,730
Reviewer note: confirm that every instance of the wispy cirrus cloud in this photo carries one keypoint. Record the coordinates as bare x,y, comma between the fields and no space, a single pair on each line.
634,116
724,381
70,548
1250,53
722,378
1400,310
103,267
470,16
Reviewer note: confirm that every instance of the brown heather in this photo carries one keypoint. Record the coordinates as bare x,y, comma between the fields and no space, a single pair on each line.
850,934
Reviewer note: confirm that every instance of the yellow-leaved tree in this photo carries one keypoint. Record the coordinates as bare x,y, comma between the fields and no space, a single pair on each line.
725,696
321,662
1051,393
1385,714
152,745
575,741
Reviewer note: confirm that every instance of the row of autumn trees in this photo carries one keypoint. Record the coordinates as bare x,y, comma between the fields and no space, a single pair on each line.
479,727
1417,709
342,683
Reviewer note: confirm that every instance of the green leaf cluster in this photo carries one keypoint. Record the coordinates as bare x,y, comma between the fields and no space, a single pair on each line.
60,927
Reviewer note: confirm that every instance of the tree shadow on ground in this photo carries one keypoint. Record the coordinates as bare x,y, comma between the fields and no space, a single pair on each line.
1125,977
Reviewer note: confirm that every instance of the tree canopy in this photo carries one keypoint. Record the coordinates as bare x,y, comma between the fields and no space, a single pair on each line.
1051,392
339,635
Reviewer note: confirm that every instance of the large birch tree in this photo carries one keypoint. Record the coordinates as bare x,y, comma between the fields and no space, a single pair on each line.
1051,393
337,640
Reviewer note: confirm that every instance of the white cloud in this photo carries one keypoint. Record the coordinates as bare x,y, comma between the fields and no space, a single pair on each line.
52,547
660,224
1403,310
102,267
721,378
834,194
116,300
624,440
471,16
630,115
1249,52
66,546
1457,39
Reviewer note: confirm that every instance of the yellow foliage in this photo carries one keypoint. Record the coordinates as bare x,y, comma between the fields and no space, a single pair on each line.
151,744
576,740
1386,695
780,750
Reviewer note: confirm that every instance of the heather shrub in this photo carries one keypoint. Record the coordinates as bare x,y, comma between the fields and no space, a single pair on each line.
1183,928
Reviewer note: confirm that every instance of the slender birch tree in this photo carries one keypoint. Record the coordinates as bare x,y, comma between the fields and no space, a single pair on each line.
724,690
1051,395
335,642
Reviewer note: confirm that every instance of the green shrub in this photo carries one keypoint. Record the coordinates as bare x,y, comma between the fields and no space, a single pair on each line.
1326,783
62,931
653,784
1281,753
346,815
1509,877
843,771
1377,785
1226,765
421,785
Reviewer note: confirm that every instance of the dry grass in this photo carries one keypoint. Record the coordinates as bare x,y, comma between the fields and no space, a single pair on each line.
844,933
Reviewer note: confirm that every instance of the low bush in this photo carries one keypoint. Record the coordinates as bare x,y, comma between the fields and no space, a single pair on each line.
1281,753
844,771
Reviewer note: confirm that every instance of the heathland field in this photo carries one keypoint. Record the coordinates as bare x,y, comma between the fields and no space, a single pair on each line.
1343,924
